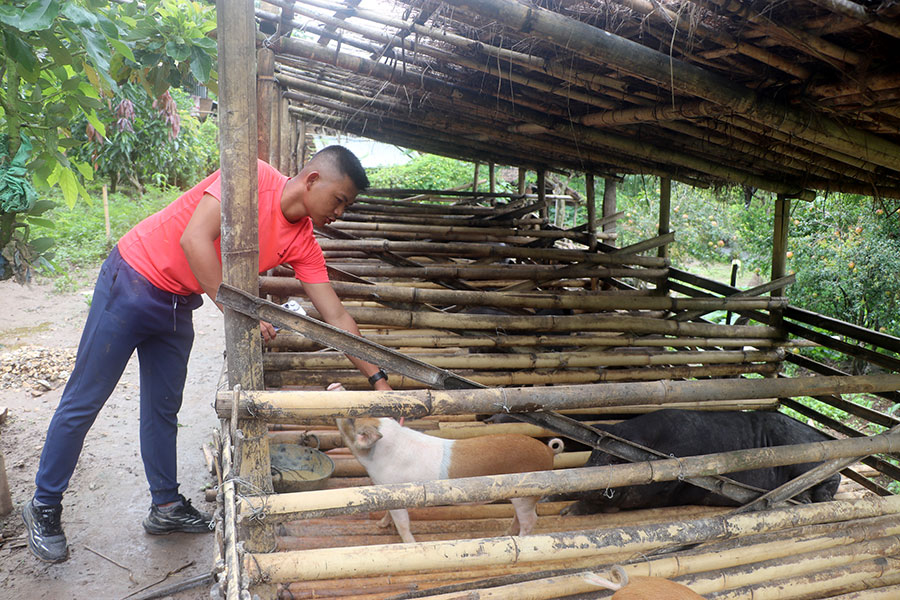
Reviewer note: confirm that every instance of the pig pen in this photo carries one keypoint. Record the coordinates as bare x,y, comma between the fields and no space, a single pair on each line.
510,315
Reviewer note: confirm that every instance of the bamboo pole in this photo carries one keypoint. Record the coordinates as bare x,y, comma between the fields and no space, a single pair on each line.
353,380
284,406
282,361
506,272
239,242
232,560
591,203
460,554
584,322
482,251
290,341
545,301
780,239
665,206
265,89
496,487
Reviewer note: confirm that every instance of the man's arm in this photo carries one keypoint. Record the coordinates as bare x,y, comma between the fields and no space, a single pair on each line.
326,301
199,245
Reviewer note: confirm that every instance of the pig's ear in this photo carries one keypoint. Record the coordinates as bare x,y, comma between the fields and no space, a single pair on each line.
367,436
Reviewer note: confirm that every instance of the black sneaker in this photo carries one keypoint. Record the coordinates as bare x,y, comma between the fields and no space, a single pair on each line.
46,539
180,516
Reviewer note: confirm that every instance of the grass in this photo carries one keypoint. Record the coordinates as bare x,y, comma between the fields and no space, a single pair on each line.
79,232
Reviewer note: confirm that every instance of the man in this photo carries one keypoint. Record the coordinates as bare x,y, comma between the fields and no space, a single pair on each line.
144,297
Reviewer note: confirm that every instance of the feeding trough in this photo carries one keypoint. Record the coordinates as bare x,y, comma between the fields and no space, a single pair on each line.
297,468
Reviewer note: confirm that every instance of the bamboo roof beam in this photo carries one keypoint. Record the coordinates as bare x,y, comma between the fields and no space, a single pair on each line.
856,85
791,36
862,15
646,7
593,119
490,68
451,145
636,58
591,81
565,128
592,99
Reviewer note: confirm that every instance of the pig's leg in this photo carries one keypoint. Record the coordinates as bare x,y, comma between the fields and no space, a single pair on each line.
526,516
400,517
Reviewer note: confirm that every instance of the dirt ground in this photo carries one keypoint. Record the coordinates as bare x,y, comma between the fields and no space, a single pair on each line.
111,557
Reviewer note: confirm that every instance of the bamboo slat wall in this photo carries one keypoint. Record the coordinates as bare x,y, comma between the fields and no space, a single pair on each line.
479,308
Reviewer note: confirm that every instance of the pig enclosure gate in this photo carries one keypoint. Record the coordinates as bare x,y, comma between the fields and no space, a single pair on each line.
481,299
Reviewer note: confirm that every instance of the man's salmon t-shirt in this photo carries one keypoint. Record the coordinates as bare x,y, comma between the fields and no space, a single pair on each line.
153,246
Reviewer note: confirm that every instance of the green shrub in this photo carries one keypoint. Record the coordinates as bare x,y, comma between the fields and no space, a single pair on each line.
79,232
425,171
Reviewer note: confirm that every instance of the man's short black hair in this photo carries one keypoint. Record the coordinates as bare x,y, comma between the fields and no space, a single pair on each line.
346,162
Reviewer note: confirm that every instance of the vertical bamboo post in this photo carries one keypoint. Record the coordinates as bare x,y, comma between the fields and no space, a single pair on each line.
475,178
301,146
284,137
591,209
293,131
274,109
542,192
665,212
522,173
6,504
265,90
240,251
106,210
609,203
492,179
779,240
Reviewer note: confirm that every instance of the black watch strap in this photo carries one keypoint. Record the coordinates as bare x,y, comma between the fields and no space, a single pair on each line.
377,375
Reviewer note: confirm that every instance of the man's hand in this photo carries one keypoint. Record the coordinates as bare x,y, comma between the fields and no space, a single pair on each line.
267,330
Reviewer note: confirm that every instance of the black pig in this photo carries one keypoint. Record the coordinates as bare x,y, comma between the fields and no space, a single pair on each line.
691,433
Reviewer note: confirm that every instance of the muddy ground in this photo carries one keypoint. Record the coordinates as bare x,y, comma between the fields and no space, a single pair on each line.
111,557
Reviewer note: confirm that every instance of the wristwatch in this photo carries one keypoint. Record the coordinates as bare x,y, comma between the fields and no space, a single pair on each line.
379,374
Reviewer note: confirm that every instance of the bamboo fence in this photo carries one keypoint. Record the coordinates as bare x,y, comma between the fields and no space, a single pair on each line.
530,316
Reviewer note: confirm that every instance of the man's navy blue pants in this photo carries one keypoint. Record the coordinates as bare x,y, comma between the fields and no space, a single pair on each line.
127,313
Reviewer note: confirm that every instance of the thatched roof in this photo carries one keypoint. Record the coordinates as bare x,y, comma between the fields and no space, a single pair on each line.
783,96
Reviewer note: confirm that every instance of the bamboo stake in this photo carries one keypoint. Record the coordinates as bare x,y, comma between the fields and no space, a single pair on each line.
460,554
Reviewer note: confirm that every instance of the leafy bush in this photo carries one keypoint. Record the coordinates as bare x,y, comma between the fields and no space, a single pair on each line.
425,171
79,232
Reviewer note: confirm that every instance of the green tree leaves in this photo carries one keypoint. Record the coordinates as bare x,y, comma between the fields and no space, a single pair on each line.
61,60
